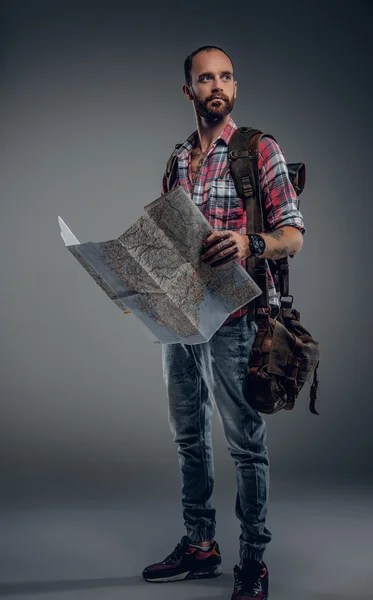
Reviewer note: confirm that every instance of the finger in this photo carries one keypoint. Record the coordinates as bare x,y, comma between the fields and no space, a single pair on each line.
214,250
215,237
222,254
224,261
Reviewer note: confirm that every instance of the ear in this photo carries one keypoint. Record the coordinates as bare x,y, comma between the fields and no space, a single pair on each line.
235,89
187,92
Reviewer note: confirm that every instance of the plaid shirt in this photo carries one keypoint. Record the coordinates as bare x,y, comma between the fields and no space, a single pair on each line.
217,198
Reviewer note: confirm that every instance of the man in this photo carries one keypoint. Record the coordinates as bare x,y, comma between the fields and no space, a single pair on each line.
198,375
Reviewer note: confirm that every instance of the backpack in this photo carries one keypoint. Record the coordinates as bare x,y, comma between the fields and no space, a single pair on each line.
284,355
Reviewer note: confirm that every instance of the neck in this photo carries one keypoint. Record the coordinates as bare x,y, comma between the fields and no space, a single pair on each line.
208,132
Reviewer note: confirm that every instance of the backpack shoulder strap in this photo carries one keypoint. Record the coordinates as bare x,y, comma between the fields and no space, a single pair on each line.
247,139
171,168
243,162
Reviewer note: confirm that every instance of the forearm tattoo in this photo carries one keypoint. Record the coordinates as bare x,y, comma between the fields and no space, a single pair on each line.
280,252
285,250
277,234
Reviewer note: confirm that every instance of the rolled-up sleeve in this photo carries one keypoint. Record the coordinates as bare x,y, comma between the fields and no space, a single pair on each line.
280,201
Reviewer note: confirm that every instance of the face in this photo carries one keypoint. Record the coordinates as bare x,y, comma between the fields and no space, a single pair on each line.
213,89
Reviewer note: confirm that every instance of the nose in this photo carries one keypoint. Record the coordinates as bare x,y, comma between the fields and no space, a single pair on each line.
216,87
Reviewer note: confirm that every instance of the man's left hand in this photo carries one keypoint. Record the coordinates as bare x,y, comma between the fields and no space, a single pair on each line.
223,247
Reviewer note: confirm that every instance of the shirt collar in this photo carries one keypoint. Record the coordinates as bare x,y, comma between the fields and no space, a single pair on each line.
225,137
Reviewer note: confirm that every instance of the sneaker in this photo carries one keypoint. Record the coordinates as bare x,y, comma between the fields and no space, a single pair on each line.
186,562
250,581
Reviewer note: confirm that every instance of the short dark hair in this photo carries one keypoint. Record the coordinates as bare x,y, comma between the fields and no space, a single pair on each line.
189,60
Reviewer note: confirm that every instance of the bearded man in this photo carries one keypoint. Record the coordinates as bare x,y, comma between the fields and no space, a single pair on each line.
199,376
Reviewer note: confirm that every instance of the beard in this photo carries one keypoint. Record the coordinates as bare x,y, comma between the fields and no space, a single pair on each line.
214,112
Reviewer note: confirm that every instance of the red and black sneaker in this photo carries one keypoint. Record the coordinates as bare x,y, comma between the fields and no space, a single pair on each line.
250,581
186,562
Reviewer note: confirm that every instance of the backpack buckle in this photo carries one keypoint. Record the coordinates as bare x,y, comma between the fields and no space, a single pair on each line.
287,303
233,154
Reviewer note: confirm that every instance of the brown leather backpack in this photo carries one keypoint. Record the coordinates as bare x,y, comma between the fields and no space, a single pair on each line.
284,355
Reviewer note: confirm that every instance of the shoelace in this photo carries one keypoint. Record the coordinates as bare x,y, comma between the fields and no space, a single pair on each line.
175,554
248,581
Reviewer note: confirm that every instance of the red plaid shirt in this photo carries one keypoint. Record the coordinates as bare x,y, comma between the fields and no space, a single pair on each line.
217,198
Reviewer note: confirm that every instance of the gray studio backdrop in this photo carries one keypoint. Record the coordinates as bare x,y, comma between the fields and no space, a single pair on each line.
91,107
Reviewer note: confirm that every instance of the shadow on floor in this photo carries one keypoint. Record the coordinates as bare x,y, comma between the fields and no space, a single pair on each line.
225,582
35,587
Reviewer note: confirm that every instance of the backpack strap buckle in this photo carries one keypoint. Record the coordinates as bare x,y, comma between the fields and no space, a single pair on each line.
247,187
233,154
287,303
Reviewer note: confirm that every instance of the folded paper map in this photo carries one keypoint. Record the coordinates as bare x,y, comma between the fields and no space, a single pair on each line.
154,270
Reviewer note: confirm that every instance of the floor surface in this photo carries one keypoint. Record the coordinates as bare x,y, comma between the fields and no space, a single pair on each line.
321,548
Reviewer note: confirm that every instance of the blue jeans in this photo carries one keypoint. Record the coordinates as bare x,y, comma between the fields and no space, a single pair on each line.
195,377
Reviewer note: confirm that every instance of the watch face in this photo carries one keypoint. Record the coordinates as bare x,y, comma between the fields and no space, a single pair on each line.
258,244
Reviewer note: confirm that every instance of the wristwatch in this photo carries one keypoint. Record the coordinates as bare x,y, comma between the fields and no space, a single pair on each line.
257,244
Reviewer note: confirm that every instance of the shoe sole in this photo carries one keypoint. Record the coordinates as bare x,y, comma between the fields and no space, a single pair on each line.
205,574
